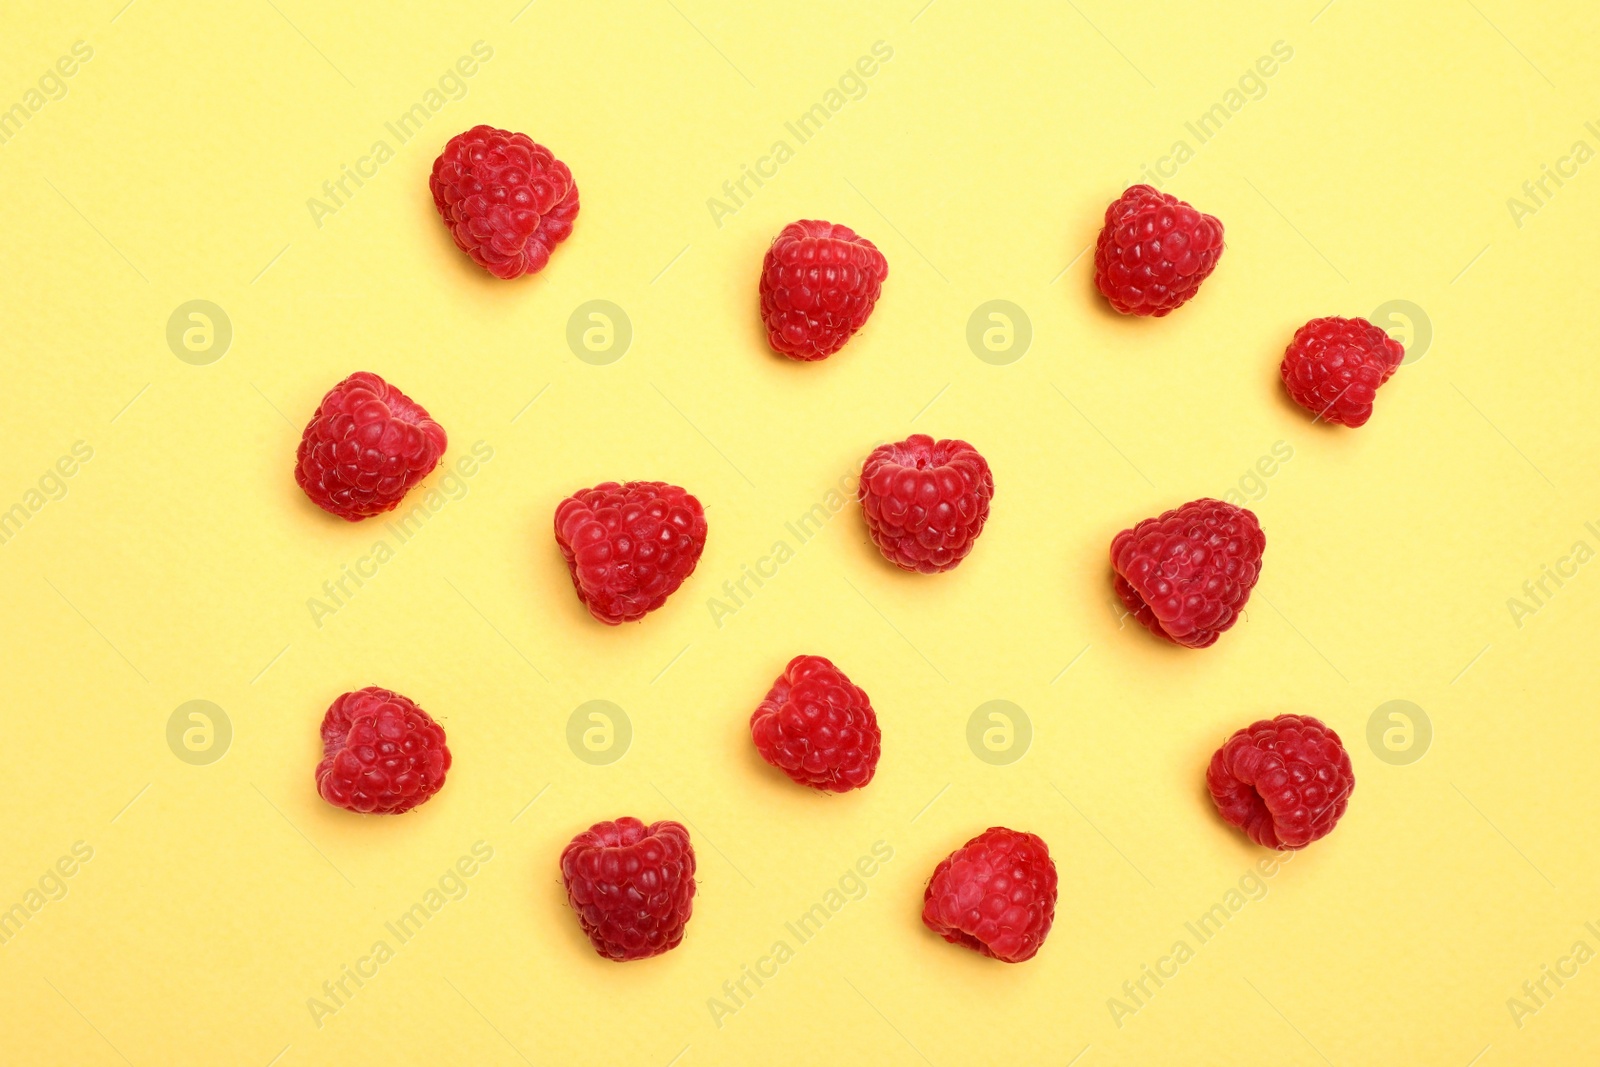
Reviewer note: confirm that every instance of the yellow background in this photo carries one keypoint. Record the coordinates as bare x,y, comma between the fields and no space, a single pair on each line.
1376,167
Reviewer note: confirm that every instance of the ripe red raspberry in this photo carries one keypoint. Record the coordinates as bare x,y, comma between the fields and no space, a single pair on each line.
996,894
1154,252
1334,366
1186,574
818,727
629,546
365,448
818,285
1285,782
926,501
632,886
508,201
380,753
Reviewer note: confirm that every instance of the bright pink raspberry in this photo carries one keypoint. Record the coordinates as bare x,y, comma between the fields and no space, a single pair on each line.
629,546
1334,366
381,753
1186,574
819,282
926,501
818,727
1285,781
1154,252
996,895
366,447
632,886
508,201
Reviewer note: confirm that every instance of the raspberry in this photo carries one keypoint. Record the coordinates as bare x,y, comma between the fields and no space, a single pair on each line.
632,886
996,894
818,285
1154,252
380,753
508,201
1187,574
629,546
365,448
1285,782
926,501
818,727
1334,366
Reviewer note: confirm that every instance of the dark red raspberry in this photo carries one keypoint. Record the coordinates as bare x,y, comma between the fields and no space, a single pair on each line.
1334,366
1186,574
508,201
1154,252
632,886
1285,782
818,285
926,501
380,753
996,894
365,448
629,546
818,727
